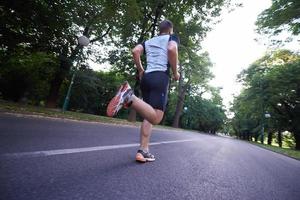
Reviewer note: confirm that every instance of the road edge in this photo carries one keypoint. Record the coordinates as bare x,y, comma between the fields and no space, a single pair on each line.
133,125
298,159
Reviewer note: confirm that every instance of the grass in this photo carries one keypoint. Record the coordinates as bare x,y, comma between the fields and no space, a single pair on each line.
11,107
285,151
57,113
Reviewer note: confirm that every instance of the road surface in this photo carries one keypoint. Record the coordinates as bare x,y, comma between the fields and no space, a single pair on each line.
54,159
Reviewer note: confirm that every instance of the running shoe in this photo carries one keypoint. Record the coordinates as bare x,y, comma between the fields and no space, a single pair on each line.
143,156
119,100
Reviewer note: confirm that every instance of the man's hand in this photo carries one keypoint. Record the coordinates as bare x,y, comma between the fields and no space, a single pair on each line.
176,76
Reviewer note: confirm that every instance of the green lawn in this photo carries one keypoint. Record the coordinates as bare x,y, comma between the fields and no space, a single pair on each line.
57,113
285,151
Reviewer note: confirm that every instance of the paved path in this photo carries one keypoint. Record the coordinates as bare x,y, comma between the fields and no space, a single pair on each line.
49,159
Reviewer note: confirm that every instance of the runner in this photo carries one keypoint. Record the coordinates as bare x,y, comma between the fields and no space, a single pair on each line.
161,53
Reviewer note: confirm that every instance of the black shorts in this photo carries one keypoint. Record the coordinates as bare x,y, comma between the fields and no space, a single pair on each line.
154,87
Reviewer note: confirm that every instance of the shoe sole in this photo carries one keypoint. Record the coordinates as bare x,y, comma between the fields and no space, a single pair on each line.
140,158
115,104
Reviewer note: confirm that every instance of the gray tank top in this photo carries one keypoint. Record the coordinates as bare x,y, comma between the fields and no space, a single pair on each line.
157,53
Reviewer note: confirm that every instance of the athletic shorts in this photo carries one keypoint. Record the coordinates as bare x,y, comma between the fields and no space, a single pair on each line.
154,87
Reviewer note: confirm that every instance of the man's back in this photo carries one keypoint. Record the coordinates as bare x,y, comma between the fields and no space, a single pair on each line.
157,53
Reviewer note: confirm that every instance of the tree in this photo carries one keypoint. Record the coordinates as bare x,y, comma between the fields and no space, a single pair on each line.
192,20
282,15
271,85
92,91
54,26
247,115
195,74
203,115
287,95
27,76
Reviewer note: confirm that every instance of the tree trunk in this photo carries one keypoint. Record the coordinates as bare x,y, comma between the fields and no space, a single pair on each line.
262,138
55,84
262,134
180,101
178,111
249,136
256,137
297,140
296,131
279,138
64,68
167,106
270,135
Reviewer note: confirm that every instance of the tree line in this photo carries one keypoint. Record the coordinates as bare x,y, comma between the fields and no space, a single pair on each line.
270,100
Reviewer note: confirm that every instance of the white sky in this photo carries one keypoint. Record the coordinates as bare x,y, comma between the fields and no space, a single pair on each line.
231,46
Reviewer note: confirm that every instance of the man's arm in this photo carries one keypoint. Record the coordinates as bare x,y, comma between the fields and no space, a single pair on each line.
173,58
137,51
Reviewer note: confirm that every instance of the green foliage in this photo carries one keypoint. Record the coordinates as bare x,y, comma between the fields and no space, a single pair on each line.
39,27
196,72
191,19
27,76
288,140
203,115
198,113
54,26
92,91
272,84
282,15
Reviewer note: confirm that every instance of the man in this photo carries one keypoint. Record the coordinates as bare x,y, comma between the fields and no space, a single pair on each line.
161,51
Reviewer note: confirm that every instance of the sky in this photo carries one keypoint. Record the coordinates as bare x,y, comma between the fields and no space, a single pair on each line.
232,48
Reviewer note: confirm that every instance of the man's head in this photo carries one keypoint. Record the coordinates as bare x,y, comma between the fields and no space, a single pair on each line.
166,27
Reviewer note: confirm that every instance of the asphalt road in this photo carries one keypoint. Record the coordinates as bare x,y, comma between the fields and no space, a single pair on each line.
80,160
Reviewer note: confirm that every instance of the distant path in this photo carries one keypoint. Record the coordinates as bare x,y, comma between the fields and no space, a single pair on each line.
61,159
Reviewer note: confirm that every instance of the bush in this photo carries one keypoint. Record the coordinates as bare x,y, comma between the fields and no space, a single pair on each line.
26,76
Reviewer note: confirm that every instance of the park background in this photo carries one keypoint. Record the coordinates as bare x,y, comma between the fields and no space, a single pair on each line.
40,55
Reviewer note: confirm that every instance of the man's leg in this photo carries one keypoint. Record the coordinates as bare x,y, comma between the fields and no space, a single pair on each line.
145,133
125,96
146,130
152,115
143,154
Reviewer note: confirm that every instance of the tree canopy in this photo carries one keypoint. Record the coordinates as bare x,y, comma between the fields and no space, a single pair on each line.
283,15
271,85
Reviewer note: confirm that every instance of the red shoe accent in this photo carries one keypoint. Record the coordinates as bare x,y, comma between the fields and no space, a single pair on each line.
117,101
111,108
